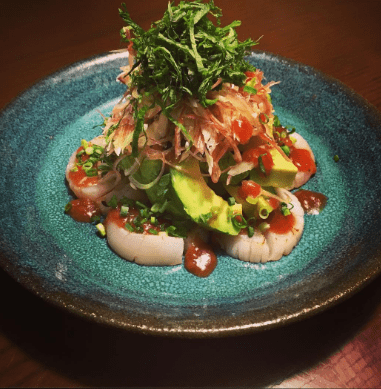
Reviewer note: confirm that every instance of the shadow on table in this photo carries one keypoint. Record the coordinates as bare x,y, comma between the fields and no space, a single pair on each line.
96,355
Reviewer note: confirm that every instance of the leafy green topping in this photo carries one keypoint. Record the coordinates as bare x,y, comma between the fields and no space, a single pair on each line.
185,53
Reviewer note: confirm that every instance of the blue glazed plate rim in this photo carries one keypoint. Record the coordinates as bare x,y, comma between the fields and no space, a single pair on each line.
214,323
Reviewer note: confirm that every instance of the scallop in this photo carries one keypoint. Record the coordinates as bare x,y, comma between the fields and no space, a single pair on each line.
301,177
268,246
101,191
145,249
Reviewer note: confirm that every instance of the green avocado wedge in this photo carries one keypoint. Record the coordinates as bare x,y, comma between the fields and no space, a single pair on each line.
282,174
200,202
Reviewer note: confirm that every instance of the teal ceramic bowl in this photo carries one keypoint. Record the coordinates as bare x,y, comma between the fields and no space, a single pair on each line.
67,264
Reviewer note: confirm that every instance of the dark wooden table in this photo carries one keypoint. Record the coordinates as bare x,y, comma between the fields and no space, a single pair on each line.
42,346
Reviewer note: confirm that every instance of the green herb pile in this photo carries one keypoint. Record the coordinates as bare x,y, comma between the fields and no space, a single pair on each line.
185,53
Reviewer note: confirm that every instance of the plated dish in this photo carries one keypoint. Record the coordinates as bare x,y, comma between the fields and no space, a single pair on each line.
192,158
67,264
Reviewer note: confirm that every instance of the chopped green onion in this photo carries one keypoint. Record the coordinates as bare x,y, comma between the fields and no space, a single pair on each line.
89,150
140,204
336,158
98,149
231,200
261,165
101,229
252,200
124,210
87,165
137,221
264,227
250,231
285,149
171,230
80,153
155,207
84,144
68,207
264,208
153,231
91,172
129,227
285,210
113,203
145,212
239,221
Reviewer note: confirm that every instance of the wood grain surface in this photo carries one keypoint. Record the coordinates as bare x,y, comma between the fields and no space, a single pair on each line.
42,346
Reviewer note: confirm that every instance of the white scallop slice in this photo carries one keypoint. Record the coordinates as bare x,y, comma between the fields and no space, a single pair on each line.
269,246
282,244
145,249
301,177
102,192
254,249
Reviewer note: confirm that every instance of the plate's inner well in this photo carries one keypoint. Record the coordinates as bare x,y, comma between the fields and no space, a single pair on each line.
62,258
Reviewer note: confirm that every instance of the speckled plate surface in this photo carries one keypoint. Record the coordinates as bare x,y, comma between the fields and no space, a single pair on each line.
67,264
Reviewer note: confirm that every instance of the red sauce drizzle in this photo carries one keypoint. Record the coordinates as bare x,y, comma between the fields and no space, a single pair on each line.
279,223
302,159
200,259
249,188
311,202
83,210
242,129
80,179
253,154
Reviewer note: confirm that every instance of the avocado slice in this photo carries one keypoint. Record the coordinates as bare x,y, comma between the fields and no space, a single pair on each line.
200,202
282,174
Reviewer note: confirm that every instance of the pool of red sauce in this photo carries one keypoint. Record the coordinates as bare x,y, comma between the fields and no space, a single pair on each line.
83,210
311,202
279,223
303,160
200,259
